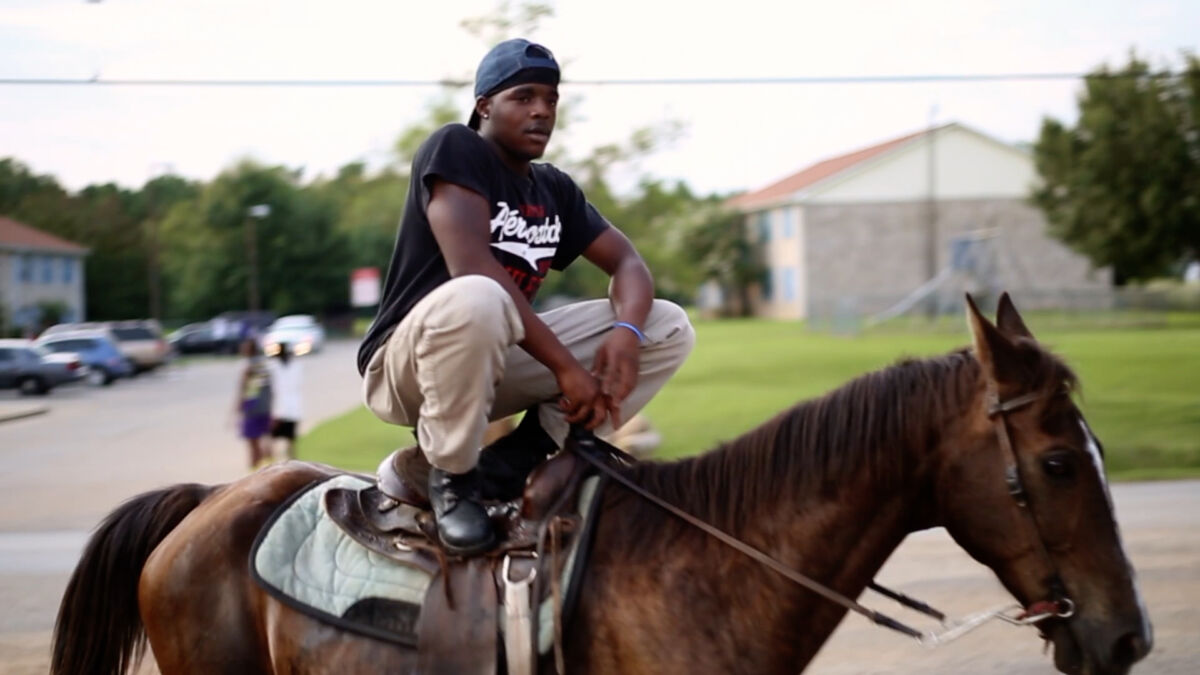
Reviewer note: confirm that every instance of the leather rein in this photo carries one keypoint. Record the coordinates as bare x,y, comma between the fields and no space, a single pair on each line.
1058,606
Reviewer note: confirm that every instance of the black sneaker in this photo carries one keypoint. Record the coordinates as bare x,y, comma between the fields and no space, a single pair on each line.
462,523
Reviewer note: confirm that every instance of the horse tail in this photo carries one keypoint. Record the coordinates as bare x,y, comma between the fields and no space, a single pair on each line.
99,629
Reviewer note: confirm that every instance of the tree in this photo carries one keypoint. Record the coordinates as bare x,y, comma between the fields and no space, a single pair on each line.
303,262
716,241
116,282
51,312
153,202
116,225
368,209
1123,185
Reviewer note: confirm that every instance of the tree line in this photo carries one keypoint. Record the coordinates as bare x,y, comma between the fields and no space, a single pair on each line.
1121,185
179,249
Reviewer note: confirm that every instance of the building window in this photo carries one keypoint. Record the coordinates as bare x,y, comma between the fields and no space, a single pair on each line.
787,223
25,268
789,284
767,290
764,227
47,269
68,270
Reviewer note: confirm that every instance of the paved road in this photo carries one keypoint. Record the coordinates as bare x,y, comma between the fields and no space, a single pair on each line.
94,448
1160,524
62,471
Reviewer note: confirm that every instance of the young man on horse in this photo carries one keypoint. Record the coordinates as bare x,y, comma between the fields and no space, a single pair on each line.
456,342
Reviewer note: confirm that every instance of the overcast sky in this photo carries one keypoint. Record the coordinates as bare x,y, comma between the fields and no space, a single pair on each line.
737,137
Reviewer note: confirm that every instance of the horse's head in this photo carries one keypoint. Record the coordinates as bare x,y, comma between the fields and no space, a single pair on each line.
1022,489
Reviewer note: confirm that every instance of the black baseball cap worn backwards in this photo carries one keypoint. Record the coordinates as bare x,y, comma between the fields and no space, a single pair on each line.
513,62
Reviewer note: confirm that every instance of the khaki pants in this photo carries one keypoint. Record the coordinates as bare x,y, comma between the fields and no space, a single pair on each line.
453,365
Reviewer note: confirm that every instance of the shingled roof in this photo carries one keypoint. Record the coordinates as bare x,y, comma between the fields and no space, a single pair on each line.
14,235
814,174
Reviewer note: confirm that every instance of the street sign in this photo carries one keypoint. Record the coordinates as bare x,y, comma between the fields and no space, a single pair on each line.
364,287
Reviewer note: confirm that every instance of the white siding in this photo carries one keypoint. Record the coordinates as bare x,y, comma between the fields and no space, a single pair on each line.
46,283
966,166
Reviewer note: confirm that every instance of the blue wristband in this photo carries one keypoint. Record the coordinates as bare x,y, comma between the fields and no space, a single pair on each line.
626,324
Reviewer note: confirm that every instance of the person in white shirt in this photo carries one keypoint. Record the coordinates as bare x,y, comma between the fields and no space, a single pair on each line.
286,378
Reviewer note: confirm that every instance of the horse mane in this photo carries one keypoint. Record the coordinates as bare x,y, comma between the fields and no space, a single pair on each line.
874,426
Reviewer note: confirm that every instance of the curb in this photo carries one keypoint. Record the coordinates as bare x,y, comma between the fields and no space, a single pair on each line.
22,413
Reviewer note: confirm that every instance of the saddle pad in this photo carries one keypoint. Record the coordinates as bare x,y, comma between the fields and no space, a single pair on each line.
304,559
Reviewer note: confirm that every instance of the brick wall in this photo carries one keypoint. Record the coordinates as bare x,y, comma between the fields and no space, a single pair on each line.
871,255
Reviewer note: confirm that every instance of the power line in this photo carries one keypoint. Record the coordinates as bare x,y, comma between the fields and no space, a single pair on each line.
666,81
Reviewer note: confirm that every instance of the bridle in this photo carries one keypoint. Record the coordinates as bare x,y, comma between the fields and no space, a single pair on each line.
602,456
1058,604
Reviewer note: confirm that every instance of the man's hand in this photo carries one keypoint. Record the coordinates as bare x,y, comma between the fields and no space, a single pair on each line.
616,367
631,290
582,399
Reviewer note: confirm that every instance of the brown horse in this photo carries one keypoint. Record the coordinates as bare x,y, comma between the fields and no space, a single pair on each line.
829,488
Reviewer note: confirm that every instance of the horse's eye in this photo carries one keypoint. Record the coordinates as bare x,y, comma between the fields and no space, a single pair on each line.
1059,465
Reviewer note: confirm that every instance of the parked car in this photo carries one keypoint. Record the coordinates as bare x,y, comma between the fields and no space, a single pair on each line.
197,338
60,328
32,370
141,342
104,360
234,327
301,331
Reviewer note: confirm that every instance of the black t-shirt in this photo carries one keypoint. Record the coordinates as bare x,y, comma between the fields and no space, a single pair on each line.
539,222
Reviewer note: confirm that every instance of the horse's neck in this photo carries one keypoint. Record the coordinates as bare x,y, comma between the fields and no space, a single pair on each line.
841,543
767,623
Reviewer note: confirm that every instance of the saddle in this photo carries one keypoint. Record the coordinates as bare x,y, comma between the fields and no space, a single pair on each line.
457,625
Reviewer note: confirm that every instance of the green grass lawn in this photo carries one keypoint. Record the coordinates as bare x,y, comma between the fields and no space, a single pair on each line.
1141,390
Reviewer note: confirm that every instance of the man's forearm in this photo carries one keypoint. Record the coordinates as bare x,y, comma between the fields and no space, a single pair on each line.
631,291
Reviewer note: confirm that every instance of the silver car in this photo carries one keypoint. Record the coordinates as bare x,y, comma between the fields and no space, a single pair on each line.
141,341
33,370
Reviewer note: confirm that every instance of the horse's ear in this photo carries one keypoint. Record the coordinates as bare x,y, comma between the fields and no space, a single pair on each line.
991,348
1008,319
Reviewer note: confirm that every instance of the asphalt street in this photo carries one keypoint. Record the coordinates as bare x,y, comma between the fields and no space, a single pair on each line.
62,471
1160,525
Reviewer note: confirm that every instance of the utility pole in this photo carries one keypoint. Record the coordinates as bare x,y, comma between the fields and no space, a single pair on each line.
253,214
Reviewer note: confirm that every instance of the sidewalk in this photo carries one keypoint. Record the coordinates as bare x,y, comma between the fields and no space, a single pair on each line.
17,409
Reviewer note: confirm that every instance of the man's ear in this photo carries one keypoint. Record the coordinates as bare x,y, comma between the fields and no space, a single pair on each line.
1008,319
992,349
483,106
